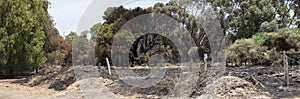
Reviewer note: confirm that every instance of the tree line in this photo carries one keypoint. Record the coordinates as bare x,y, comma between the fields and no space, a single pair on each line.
254,31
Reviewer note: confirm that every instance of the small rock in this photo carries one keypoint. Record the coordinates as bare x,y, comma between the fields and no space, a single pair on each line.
240,90
252,92
278,75
107,81
232,91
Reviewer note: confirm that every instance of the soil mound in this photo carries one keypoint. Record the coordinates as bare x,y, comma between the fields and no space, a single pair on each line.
54,77
91,88
231,86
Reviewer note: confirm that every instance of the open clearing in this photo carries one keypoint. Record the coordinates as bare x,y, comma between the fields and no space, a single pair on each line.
240,82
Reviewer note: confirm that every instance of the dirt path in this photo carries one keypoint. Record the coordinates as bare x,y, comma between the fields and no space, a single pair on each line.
9,90
93,87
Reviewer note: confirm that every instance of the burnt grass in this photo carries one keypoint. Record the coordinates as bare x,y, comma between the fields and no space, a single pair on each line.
162,88
270,78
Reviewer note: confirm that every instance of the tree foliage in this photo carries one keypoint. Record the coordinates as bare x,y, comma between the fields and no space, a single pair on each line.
22,25
148,45
28,37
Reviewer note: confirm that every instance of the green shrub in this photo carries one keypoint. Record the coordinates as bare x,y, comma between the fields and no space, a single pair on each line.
245,51
283,40
259,38
264,48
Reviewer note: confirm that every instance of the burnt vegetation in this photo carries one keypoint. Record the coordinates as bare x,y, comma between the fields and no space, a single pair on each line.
257,32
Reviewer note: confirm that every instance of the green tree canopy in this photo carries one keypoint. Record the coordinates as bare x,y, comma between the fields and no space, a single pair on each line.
22,25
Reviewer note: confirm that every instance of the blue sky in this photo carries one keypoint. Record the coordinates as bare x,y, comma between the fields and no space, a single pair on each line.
80,15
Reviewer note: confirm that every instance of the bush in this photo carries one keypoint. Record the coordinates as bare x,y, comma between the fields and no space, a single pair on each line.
245,51
264,48
259,38
283,40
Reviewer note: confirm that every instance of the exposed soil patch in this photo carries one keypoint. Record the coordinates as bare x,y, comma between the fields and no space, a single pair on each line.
11,90
238,82
55,77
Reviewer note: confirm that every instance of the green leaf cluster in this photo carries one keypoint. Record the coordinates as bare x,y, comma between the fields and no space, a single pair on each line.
22,24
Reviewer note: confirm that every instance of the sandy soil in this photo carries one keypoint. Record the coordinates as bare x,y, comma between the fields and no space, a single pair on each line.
110,87
94,88
9,90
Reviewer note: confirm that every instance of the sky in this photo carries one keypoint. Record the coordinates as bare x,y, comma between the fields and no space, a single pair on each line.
80,15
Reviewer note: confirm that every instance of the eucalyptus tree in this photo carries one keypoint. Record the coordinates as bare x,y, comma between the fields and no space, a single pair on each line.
116,17
295,7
